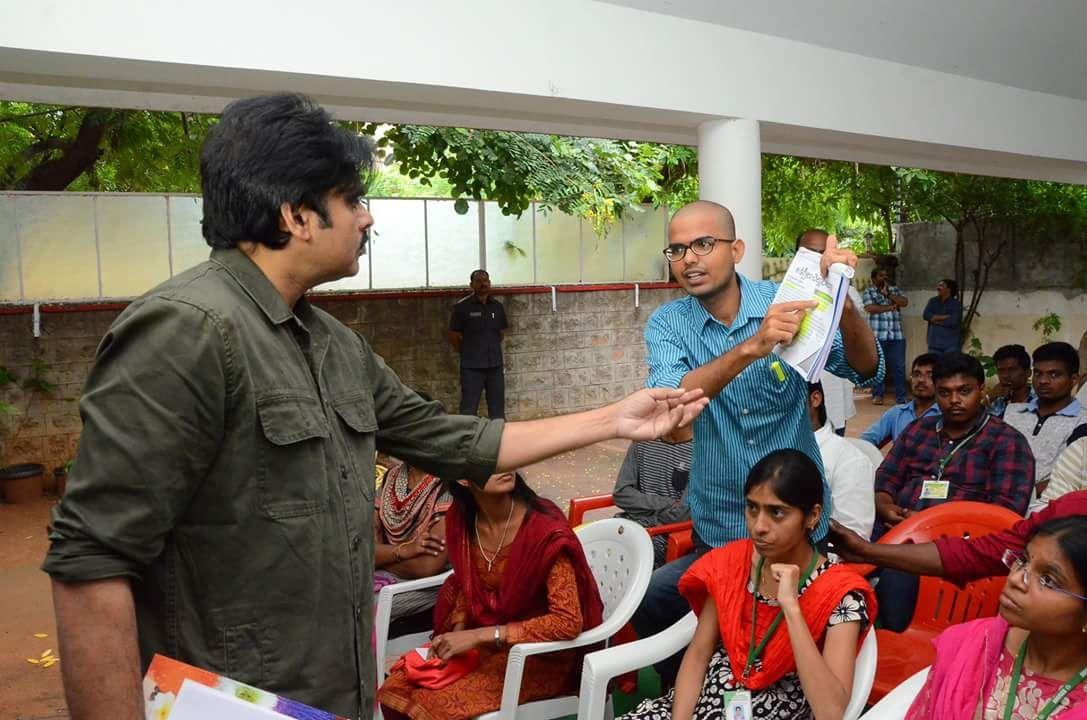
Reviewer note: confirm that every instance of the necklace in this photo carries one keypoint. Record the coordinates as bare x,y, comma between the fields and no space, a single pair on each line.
490,560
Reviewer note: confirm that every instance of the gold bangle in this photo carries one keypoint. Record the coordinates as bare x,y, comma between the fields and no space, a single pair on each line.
396,553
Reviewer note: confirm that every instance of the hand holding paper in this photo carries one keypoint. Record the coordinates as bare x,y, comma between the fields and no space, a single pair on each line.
834,254
780,325
823,287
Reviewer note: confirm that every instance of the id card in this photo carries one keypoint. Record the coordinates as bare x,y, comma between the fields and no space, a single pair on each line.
935,489
737,705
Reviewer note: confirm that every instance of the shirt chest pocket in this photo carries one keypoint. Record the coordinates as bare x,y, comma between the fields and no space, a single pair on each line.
358,425
292,472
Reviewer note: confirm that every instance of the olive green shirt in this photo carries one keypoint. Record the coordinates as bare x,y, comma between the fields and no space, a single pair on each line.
226,466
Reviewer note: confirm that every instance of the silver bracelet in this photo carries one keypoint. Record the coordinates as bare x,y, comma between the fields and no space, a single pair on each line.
497,637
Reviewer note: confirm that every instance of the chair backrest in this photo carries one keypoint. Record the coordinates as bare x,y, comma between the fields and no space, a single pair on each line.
620,554
870,451
864,675
894,704
939,603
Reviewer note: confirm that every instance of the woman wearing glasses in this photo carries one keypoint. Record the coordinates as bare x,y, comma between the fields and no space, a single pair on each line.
1029,662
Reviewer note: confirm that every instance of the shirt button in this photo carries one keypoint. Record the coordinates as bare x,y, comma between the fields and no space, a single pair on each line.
354,542
745,411
343,472
358,612
750,442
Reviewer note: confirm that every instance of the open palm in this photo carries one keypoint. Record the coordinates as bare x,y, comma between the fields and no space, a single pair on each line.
651,413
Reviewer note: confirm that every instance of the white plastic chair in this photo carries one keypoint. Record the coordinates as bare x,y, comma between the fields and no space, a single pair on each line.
386,647
870,451
603,665
620,554
894,704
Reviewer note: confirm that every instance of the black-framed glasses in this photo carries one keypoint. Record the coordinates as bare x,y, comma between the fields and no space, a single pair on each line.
1016,562
699,246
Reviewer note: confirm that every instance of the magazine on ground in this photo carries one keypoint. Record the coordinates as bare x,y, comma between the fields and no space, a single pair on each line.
804,280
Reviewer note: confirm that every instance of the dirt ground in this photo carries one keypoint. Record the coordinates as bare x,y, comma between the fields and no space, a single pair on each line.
33,692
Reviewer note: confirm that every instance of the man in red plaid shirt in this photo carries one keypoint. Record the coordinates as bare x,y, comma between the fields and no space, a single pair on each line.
965,454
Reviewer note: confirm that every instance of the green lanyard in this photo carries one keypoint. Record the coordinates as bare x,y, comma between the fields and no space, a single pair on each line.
755,652
1050,707
962,443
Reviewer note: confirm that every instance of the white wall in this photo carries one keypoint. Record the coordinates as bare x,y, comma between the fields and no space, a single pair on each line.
572,66
1006,318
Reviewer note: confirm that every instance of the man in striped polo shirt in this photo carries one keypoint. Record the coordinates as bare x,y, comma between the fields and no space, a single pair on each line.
719,338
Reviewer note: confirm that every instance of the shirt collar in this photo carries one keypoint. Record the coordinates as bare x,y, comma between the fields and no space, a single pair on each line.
983,416
824,432
1072,409
255,283
753,304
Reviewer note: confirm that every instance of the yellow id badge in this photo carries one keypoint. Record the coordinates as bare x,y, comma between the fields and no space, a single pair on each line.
935,489
738,705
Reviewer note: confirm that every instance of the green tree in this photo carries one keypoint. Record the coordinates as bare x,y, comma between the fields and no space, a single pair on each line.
49,147
595,179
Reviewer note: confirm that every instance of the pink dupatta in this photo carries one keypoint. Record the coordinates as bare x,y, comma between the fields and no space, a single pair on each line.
964,671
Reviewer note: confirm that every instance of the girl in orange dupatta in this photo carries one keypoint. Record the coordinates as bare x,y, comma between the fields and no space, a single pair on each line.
519,575
796,659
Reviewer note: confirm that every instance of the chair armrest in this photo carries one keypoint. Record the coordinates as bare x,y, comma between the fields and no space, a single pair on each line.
679,544
602,666
670,528
383,612
580,506
614,661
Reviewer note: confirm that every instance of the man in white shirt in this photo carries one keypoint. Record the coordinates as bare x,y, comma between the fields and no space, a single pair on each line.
837,392
850,474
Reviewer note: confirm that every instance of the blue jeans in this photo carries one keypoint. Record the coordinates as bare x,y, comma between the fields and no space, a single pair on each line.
663,606
894,354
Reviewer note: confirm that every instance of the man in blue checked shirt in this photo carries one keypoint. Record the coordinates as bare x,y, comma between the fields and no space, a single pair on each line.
719,339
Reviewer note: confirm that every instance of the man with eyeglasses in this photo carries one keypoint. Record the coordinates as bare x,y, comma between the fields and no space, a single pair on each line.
1048,420
719,338
893,422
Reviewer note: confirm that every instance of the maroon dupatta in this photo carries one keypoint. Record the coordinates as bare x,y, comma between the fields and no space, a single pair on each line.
543,536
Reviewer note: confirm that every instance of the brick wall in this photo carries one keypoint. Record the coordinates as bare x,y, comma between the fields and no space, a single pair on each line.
587,353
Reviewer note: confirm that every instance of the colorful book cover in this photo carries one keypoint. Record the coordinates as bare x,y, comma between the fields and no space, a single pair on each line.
165,675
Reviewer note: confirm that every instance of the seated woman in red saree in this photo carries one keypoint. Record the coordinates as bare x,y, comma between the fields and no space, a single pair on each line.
1029,662
519,575
779,625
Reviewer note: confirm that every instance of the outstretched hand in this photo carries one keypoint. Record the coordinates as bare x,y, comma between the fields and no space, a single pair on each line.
653,412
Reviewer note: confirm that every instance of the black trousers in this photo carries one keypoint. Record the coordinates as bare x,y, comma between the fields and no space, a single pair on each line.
473,381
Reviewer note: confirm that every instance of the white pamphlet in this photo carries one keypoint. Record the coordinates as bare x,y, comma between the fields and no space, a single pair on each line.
804,280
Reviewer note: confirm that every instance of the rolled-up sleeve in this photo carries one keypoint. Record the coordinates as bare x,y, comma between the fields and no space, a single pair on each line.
153,413
419,431
668,360
838,365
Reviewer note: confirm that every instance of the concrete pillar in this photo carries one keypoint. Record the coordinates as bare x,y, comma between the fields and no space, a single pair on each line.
730,173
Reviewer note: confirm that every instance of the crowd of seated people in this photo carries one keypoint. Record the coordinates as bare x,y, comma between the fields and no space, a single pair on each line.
779,617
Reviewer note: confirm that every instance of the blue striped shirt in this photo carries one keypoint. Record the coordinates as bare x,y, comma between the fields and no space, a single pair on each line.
752,416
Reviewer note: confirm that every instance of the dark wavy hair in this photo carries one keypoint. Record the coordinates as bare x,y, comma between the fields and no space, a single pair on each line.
270,150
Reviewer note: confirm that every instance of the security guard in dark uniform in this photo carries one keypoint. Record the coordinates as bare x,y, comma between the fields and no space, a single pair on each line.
476,329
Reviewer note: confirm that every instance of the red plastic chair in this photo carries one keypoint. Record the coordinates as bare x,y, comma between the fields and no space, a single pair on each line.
679,537
939,603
